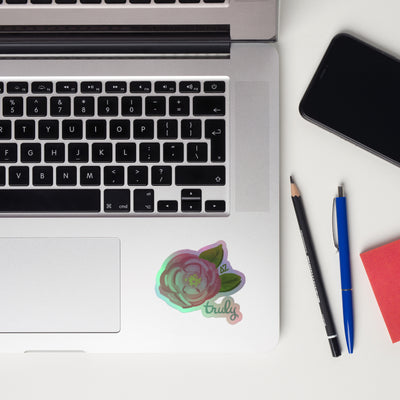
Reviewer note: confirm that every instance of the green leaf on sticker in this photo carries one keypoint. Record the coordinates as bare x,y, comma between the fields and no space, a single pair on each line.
229,282
214,255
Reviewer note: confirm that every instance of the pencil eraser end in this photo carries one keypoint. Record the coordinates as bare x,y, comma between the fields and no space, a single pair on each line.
335,348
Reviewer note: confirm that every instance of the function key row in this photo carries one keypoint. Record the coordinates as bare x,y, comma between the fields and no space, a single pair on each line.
114,87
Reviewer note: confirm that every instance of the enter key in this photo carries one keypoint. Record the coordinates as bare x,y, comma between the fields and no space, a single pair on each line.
215,131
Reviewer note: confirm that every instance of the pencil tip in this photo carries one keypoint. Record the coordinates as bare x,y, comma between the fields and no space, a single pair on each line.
291,179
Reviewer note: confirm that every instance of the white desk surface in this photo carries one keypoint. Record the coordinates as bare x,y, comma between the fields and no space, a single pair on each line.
301,367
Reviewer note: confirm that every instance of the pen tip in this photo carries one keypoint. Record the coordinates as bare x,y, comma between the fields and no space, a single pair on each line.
291,179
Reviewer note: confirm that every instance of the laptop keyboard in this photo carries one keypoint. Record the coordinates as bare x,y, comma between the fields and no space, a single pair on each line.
132,147
102,2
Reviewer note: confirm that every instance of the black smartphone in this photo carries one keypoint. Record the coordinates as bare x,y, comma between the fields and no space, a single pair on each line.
355,93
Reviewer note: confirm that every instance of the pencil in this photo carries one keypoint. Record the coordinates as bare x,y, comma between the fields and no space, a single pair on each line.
315,269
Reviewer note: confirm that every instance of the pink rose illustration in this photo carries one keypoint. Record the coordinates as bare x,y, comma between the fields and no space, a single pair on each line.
188,281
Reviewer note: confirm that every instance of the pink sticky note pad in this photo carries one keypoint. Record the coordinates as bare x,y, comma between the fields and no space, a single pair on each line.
383,269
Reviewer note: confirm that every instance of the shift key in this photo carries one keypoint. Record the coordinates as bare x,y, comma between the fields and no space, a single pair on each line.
200,175
208,105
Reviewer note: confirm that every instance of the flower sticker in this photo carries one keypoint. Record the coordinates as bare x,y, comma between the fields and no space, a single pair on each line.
192,280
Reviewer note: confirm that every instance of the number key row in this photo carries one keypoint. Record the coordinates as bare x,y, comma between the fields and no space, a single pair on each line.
61,106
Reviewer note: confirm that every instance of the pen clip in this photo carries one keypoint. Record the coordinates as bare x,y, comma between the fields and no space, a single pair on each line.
334,231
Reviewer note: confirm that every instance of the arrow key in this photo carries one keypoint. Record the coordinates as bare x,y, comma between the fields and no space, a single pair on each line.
167,206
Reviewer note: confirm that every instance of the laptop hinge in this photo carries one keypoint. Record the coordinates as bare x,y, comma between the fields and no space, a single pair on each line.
115,40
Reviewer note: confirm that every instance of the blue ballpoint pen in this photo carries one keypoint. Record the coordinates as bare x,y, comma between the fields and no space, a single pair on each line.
345,276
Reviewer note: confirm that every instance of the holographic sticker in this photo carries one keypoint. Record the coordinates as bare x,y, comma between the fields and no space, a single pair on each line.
192,280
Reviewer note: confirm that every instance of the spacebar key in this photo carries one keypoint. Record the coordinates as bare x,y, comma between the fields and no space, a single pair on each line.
200,175
49,201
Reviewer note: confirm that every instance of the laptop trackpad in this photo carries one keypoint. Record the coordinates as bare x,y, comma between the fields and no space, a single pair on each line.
59,285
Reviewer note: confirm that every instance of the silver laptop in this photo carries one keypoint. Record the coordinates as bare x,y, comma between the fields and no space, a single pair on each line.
139,169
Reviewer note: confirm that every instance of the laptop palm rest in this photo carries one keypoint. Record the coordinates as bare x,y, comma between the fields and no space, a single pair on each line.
59,285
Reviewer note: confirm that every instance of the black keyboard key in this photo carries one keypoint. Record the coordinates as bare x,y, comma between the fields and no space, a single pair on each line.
54,152
90,1
117,200
143,200
165,87
164,1
42,176
155,106
116,87
140,86
36,106
191,129
1,87
191,194
101,152
12,106
138,176
31,152
107,106
66,176
2,176
200,175
50,200
191,205
114,176
17,87
48,129
189,1
214,1
125,152
16,1
78,152
149,152
18,176
143,129
215,131
8,152
178,105
84,106
60,106
65,1
167,206
72,129
115,1
161,175
214,87
25,129
209,105
189,87
42,87
90,176
167,129
5,129
191,200
91,87
66,87
96,129
139,1
215,206
132,106
196,152
120,129
173,152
